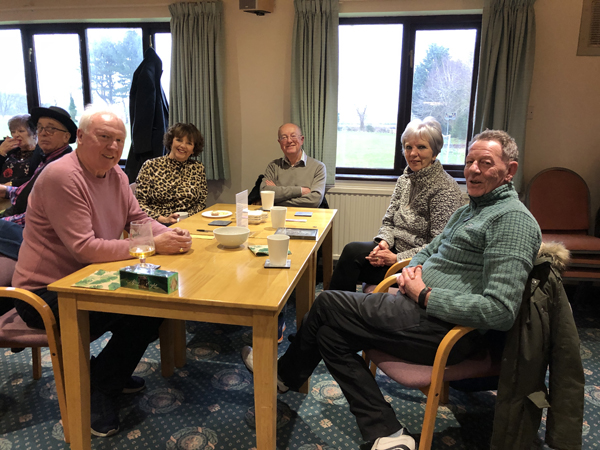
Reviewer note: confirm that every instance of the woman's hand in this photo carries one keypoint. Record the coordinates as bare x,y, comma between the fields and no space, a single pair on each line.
381,255
382,245
168,220
173,241
8,145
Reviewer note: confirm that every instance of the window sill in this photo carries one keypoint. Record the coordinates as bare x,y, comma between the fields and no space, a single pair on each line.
373,185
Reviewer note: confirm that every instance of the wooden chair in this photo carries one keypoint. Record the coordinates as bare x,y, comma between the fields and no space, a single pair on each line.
394,268
14,333
434,380
559,199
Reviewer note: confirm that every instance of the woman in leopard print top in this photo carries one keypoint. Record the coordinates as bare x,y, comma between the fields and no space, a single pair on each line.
424,199
174,183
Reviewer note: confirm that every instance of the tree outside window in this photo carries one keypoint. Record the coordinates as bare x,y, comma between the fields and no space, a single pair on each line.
393,70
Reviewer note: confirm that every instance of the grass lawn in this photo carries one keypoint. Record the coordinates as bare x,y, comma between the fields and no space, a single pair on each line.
376,150
368,150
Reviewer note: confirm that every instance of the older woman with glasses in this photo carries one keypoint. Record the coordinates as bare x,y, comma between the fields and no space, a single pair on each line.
55,131
424,199
17,159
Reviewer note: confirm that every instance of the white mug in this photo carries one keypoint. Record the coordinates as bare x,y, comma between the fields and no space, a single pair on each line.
267,198
182,215
278,214
278,249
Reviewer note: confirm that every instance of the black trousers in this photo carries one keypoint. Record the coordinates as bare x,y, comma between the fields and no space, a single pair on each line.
112,368
353,268
340,324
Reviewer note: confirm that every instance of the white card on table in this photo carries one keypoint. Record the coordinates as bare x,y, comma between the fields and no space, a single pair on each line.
241,208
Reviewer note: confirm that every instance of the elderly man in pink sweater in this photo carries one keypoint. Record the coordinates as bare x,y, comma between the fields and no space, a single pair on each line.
77,211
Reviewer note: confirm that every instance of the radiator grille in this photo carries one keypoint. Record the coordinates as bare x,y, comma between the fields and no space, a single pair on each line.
358,218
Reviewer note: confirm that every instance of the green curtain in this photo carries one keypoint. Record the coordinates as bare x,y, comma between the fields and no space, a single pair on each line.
315,78
505,70
196,92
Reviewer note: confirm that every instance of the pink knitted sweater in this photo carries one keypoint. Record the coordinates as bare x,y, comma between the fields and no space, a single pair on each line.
75,219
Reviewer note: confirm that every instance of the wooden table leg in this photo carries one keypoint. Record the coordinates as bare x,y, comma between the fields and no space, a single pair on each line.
75,337
305,297
305,290
180,343
264,345
167,347
327,255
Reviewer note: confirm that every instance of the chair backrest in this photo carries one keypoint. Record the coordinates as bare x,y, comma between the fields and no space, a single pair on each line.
254,195
559,199
324,204
133,187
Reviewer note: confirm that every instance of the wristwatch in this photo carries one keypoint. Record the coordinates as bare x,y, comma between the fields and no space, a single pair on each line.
423,296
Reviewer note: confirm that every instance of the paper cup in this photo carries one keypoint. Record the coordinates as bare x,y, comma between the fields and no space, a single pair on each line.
278,248
278,214
182,215
267,198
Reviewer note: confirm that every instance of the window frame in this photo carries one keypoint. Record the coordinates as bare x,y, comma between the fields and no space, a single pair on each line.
412,24
149,29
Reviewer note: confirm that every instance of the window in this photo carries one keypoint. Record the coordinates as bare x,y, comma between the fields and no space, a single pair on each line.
162,45
13,95
68,92
71,65
393,70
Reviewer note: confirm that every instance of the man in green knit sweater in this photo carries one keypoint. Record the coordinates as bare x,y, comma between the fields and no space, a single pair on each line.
472,274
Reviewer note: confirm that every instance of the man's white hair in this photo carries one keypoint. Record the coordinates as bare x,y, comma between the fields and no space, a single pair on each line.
91,110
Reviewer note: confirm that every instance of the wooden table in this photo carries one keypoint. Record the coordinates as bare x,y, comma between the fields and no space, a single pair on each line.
219,285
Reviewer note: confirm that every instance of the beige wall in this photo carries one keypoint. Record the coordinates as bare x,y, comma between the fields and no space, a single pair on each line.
565,95
565,92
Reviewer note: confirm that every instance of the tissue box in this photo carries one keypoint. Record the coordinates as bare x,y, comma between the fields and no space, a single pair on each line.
152,280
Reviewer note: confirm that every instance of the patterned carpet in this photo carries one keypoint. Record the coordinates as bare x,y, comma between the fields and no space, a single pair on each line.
209,403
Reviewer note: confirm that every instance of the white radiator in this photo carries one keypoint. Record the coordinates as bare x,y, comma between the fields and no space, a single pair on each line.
360,211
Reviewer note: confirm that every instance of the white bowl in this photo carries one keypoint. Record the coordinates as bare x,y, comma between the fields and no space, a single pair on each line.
231,237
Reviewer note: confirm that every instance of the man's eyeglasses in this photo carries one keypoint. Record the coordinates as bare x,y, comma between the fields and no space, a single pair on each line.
49,130
293,137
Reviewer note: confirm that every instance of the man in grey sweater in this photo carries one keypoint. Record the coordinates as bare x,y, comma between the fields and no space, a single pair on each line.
297,179
472,274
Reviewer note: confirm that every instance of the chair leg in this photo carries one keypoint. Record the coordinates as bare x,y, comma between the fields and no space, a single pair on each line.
436,387
373,368
433,401
58,369
445,394
36,361
370,364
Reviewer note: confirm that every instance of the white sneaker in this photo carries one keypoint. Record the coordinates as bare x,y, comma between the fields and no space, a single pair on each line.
249,363
404,442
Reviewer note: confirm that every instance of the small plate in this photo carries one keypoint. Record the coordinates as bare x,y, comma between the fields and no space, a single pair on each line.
220,213
268,265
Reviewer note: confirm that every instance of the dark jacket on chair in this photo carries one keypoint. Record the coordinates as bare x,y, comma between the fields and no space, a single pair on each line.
543,335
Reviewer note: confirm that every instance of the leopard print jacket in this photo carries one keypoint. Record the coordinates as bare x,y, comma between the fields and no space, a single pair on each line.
166,186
